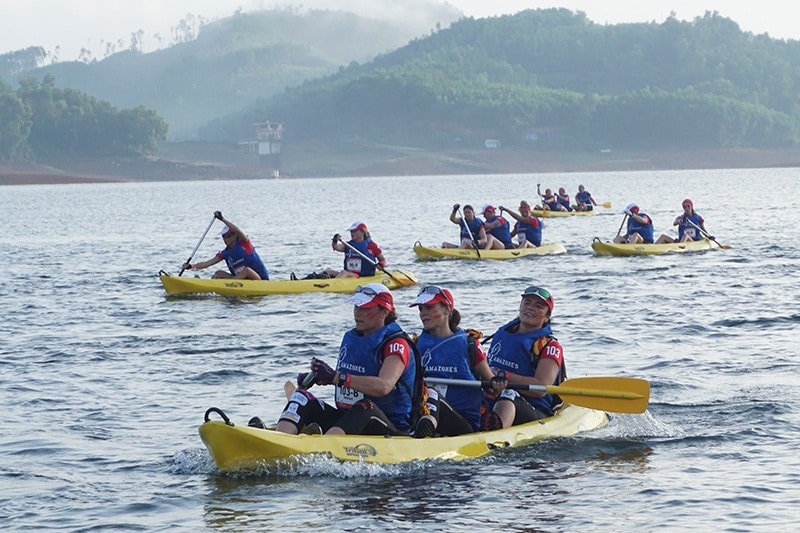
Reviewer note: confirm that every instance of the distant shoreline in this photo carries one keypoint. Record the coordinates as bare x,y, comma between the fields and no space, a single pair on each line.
408,163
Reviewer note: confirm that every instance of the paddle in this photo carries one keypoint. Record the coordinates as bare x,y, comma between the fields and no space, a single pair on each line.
374,263
607,205
199,243
709,237
471,236
616,395
624,218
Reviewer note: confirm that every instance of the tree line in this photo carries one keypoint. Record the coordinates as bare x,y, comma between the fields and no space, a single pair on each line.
552,77
39,120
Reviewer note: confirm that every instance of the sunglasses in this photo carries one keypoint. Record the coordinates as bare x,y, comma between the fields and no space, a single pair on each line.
538,291
366,290
433,289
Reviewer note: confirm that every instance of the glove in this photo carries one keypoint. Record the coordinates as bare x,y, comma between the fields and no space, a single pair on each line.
305,380
502,208
187,266
218,215
323,371
456,206
336,238
498,381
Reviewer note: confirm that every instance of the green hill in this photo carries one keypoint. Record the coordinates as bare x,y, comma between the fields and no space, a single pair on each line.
234,62
552,78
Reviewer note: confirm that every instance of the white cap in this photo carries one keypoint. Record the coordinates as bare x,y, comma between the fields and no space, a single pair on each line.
372,294
357,225
224,230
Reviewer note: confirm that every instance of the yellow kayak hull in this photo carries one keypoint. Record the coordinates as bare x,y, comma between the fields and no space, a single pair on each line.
430,252
244,287
245,448
546,213
610,248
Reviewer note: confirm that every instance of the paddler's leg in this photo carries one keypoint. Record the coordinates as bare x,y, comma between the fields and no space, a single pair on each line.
302,409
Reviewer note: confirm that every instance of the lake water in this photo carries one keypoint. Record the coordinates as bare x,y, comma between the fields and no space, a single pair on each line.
104,379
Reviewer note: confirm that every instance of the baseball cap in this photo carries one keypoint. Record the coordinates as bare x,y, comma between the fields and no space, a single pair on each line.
225,231
487,207
357,225
372,294
633,208
687,201
542,294
432,294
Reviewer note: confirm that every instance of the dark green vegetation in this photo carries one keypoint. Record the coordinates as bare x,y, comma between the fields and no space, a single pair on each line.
553,79
39,120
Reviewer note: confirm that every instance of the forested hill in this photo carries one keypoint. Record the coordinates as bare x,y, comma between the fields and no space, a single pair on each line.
553,77
232,62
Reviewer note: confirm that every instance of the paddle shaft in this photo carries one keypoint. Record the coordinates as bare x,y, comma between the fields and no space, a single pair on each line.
705,233
373,263
471,236
199,243
624,218
620,395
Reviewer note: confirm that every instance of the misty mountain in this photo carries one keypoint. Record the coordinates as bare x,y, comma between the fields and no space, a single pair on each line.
235,61
553,78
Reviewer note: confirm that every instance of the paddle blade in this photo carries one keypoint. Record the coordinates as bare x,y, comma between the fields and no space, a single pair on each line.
607,205
612,394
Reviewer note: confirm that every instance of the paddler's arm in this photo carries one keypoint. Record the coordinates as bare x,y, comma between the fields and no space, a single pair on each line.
392,368
546,372
454,218
231,226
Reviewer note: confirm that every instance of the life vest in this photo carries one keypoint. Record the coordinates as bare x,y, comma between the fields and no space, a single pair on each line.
521,355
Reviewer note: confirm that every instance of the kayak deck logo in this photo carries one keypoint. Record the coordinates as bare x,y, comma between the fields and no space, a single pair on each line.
361,450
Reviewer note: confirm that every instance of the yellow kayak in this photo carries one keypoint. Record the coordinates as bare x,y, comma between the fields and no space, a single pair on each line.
244,287
430,252
241,447
546,213
610,248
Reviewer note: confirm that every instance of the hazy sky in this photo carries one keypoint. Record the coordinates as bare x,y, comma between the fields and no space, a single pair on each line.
74,24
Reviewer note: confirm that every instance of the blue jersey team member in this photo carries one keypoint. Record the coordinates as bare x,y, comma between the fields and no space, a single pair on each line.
527,353
528,228
691,225
374,377
640,227
239,254
361,253
450,352
472,234
498,227
584,200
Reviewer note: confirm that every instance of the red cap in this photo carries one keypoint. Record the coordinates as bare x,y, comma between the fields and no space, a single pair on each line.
432,294
357,225
687,201
372,294
487,207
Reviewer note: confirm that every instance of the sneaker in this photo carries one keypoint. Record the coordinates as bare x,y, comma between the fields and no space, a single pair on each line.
425,428
312,429
292,277
256,422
